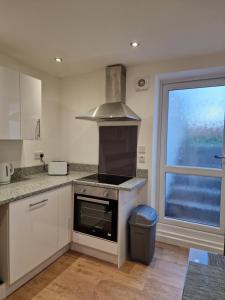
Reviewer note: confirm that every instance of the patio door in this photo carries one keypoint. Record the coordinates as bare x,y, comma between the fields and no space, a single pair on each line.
192,164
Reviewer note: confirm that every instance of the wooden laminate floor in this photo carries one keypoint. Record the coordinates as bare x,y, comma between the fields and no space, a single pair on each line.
74,276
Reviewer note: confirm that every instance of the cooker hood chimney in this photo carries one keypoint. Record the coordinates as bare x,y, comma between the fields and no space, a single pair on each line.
115,108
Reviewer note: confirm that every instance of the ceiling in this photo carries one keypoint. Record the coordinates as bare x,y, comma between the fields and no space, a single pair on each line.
90,34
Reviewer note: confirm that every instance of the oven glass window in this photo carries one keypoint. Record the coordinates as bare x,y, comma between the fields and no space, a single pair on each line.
96,216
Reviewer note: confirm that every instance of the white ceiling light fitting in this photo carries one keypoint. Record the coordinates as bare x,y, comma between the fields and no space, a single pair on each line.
134,44
58,59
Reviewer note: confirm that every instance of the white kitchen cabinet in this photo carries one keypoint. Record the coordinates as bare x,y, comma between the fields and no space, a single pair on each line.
20,106
33,232
65,205
39,226
30,97
9,105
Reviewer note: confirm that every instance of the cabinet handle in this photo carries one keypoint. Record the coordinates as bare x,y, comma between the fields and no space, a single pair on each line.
38,129
40,202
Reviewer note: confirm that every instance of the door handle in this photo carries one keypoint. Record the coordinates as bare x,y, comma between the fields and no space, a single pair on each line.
93,200
219,156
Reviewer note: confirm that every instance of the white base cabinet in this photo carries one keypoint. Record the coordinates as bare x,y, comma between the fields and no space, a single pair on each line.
65,216
39,226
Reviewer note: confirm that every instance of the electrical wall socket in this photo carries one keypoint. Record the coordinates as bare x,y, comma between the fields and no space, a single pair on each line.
141,159
141,149
37,155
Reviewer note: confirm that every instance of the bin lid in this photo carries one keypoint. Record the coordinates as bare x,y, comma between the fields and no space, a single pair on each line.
143,215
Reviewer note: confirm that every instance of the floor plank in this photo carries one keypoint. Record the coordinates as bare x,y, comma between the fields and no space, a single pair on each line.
78,277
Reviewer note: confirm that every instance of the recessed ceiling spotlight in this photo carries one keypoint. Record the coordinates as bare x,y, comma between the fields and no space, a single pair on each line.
58,59
134,44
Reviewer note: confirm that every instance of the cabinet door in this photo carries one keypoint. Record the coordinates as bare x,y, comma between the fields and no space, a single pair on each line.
30,97
9,105
65,215
33,232
44,225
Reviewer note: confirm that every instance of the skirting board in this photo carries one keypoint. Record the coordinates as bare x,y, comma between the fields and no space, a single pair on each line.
7,290
188,238
2,291
95,253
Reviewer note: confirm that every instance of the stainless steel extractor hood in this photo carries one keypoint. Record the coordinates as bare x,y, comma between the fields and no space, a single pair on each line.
115,108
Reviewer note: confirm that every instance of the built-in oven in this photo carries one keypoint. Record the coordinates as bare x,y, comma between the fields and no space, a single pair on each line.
95,215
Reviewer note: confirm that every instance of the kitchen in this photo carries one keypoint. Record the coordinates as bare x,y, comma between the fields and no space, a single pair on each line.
71,88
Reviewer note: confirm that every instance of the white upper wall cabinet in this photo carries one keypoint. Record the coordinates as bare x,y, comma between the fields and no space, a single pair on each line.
20,106
9,105
30,96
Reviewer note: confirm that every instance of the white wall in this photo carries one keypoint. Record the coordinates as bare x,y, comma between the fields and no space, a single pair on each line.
81,93
78,95
21,152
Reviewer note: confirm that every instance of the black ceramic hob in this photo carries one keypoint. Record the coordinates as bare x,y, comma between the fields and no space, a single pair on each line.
105,178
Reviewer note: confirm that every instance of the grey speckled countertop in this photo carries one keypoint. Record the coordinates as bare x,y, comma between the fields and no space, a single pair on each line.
42,182
205,277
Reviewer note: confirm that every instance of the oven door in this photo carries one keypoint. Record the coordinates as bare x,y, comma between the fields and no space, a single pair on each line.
96,216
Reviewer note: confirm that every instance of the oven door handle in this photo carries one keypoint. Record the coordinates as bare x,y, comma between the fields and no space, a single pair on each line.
92,200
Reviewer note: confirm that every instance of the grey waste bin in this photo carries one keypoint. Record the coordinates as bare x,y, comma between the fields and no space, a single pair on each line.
142,224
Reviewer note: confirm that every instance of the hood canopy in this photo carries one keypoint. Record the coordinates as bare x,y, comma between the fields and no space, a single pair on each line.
115,111
115,108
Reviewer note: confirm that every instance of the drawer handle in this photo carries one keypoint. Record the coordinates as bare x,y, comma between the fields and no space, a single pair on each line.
40,202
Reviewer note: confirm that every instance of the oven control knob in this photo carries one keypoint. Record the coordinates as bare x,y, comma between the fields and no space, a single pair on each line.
83,190
106,194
